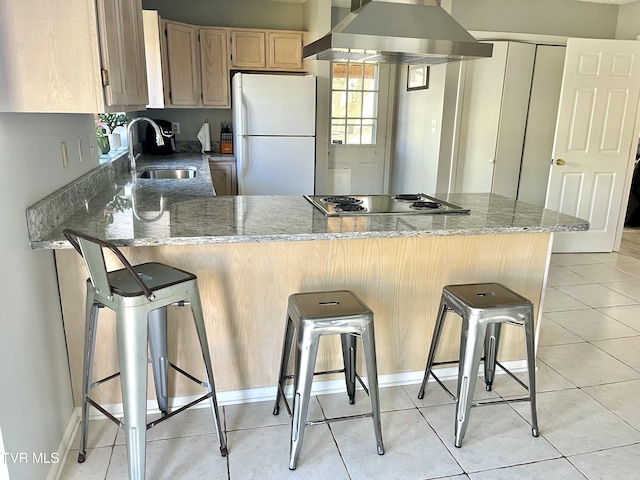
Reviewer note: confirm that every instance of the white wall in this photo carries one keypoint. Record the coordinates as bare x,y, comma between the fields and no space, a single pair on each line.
416,147
628,27
36,402
230,13
568,18
421,158
317,22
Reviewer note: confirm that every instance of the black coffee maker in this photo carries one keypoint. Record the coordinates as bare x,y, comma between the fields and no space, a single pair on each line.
168,134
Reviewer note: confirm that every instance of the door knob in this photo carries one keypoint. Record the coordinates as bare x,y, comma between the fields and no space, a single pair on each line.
559,162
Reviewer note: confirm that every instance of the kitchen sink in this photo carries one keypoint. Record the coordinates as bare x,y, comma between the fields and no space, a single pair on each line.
168,173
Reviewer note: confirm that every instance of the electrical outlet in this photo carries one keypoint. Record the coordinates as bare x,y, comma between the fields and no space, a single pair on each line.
176,127
80,149
65,154
91,140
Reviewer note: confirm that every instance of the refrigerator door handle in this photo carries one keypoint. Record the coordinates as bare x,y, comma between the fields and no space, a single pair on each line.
246,155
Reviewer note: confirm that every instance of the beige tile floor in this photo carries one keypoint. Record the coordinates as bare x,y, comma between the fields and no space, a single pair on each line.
588,410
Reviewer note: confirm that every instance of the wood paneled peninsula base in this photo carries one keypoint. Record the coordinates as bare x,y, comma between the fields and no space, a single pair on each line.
251,252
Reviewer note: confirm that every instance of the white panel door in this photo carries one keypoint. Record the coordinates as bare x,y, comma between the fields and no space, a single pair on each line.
363,169
596,139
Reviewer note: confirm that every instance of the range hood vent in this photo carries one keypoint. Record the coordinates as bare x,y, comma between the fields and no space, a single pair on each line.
399,32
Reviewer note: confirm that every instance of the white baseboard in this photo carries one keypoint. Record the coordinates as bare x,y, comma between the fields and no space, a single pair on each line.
261,394
252,395
65,445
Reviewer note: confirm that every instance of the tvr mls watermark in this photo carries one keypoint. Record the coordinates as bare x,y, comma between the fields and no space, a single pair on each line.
29,457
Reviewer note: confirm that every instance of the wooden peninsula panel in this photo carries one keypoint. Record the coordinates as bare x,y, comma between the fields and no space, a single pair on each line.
245,286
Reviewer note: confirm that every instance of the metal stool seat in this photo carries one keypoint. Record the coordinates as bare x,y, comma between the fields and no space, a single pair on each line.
309,316
140,296
484,307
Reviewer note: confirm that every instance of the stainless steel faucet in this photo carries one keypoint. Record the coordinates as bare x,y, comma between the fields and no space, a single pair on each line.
159,139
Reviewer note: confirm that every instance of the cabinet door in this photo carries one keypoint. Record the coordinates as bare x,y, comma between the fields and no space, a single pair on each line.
122,52
223,176
182,64
135,73
215,71
285,51
248,49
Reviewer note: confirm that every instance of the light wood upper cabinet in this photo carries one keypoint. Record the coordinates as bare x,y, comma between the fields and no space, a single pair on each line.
285,50
122,52
248,49
276,50
182,65
215,69
187,64
55,59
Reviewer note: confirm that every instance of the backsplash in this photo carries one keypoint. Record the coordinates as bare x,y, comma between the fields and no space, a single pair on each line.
189,146
48,213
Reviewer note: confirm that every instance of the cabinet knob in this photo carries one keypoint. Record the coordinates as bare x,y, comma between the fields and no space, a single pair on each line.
559,162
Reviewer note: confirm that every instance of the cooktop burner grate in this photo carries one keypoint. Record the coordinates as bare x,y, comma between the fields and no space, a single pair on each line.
349,207
426,205
407,197
342,199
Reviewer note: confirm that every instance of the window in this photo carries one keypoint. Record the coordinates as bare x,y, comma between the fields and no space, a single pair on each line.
354,103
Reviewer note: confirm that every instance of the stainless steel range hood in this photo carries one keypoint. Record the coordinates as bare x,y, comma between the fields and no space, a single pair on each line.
400,32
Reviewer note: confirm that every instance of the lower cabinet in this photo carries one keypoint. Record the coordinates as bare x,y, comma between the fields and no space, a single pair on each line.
223,176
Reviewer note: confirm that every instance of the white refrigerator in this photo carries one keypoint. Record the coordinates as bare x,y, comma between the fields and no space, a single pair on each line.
274,125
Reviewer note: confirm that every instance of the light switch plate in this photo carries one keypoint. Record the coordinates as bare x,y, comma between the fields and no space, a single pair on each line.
80,149
65,154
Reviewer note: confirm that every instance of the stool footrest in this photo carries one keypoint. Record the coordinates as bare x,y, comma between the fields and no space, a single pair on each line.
175,412
505,370
453,397
502,400
339,419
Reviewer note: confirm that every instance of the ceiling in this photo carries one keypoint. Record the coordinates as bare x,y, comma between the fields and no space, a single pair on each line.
347,3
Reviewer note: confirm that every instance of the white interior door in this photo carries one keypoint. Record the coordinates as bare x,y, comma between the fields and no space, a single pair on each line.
596,139
363,168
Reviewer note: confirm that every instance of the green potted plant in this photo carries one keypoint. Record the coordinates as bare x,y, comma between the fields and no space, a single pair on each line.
102,140
111,121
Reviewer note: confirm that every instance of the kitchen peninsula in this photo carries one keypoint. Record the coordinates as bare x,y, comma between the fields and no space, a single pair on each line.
251,252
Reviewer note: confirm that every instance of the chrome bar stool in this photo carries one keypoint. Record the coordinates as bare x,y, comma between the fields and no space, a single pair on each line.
140,296
309,316
484,307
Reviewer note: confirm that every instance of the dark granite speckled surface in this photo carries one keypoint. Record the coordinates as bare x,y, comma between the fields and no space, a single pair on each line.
137,212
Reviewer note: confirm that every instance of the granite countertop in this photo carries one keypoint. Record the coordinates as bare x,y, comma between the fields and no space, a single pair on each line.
142,212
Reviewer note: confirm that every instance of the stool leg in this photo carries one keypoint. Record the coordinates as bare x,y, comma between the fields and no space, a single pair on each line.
287,346
369,348
198,318
87,369
442,313
131,323
473,332
491,344
349,356
531,368
159,359
306,352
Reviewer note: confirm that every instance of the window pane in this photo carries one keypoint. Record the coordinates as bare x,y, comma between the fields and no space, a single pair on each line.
369,104
339,76
353,131
368,132
339,104
370,80
355,76
354,105
337,132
